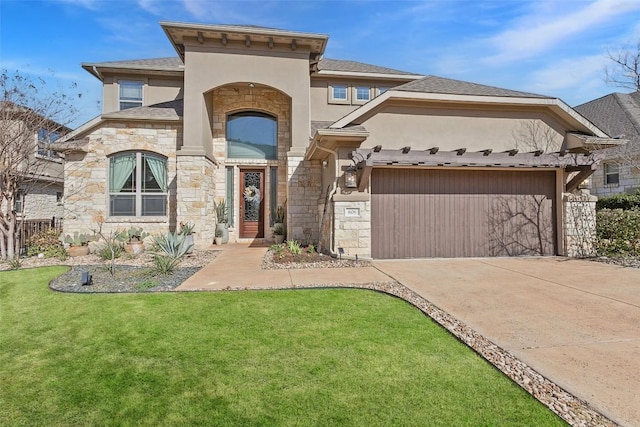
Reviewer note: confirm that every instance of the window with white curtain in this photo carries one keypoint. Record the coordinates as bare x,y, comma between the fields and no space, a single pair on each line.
137,184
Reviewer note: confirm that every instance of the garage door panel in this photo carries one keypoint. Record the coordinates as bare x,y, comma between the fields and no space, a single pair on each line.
451,213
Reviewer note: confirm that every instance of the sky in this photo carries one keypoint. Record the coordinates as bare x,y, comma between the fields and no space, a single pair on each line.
549,47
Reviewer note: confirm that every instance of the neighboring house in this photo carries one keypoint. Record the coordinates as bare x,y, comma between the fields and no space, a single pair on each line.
370,161
618,114
41,192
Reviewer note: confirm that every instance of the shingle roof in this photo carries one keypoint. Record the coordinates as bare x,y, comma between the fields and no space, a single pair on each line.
616,114
171,63
357,67
171,110
433,84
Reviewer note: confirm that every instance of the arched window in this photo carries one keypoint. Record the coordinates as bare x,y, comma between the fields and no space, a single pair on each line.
252,135
137,184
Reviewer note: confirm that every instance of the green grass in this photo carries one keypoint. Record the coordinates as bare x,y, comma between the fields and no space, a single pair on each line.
281,358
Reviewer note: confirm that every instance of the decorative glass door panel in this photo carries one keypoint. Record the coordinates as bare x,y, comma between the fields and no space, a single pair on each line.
251,203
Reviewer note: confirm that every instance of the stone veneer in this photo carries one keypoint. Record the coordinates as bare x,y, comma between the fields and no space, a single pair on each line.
41,201
304,180
629,177
87,175
195,196
579,224
352,233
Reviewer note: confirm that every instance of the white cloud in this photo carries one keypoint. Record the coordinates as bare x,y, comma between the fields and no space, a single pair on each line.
544,29
573,73
87,4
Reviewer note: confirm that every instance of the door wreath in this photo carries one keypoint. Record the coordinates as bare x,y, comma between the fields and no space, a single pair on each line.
252,194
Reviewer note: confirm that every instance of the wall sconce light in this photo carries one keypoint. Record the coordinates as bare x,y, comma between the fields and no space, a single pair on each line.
325,163
251,85
350,177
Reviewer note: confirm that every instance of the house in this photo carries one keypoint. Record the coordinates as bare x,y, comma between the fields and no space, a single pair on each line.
369,161
31,139
618,114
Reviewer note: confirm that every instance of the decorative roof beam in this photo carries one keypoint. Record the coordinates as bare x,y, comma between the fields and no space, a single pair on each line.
200,37
405,150
294,44
223,40
434,150
247,41
270,42
578,179
479,159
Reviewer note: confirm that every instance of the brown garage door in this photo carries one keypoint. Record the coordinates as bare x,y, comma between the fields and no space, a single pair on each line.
418,213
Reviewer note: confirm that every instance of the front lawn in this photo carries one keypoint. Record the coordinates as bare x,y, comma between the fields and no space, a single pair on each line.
296,357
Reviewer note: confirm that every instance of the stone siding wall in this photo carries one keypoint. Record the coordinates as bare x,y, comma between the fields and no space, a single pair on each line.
87,175
196,189
41,202
304,179
579,224
629,180
352,227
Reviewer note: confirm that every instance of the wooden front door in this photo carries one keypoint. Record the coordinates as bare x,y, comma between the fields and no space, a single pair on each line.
251,203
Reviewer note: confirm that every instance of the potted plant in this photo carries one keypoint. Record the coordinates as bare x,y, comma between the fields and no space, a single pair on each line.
218,238
78,243
135,245
186,229
279,215
222,217
278,232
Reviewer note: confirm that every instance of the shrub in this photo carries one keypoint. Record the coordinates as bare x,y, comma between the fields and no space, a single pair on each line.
165,264
105,251
47,243
619,201
172,244
618,232
294,247
172,247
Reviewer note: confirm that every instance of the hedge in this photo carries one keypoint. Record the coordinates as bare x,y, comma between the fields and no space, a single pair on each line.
618,232
619,201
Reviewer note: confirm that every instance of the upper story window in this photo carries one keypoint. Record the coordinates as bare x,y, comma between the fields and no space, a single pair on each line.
130,94
363,93
137,184
611,173
382,90
339,92
45,139
252,135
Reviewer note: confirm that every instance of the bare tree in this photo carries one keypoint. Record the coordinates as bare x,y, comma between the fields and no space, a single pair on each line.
624,70
535,135
27,109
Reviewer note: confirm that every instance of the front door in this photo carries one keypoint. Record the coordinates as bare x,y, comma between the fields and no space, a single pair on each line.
251,203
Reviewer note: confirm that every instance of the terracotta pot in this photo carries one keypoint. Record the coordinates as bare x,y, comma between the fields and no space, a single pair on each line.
78,250
134,248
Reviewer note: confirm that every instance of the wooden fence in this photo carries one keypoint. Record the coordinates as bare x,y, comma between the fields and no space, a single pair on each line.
29,227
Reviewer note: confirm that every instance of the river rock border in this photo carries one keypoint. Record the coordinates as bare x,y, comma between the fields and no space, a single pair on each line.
574,411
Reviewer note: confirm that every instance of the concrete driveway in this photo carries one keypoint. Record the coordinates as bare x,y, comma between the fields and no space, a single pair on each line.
576,322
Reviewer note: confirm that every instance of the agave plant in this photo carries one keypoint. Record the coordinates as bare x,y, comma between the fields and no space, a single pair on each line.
173,245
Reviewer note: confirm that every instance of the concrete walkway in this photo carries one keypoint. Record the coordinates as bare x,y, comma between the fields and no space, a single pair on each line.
238,267
575,322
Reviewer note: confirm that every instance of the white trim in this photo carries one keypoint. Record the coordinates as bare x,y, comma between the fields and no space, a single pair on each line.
369,75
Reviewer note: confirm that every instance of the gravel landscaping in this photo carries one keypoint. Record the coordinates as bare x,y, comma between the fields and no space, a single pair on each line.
133,274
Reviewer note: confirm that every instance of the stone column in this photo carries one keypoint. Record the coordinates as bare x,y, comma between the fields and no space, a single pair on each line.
303,191
195,196
579,224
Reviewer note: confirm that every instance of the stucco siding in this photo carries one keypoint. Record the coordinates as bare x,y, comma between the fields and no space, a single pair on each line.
395,127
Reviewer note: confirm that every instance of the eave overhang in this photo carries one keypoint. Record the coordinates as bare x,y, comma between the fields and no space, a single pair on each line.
573,141
362,75
177,32
71,147
98,70
327,140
